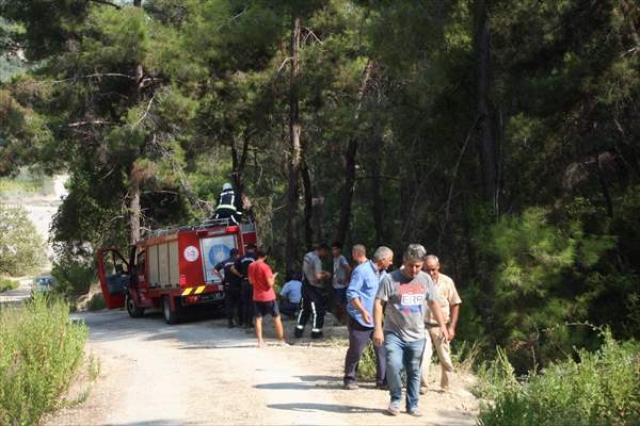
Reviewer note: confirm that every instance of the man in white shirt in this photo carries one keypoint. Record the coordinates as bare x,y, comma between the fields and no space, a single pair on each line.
449,301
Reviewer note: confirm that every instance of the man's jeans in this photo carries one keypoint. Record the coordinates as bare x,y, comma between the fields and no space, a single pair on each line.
407,355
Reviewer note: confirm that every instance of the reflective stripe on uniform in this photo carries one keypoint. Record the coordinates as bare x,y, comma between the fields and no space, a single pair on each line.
226,206
314,324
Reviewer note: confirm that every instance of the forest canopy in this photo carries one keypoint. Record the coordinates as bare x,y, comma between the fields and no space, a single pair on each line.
501,134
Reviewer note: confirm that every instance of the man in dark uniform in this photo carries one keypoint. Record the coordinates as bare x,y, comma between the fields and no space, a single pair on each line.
232,287
240,270
313,295
227,206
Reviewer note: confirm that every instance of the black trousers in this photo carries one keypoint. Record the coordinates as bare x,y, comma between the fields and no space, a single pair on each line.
313,307
232,215
288,308
246,317
232,302
359,338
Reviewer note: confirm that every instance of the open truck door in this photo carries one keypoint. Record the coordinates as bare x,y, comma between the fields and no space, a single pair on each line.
113,271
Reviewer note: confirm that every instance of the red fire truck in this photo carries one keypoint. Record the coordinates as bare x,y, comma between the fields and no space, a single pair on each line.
171,269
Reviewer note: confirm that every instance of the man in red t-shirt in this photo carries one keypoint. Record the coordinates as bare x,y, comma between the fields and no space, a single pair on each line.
262,279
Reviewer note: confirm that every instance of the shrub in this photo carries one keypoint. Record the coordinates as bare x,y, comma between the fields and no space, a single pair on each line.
601,388
21,248
40,351
73,277
8,284
96,303
367,364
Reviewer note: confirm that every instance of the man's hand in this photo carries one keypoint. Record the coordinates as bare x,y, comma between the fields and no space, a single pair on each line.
366,317
445,333
378,337
452,332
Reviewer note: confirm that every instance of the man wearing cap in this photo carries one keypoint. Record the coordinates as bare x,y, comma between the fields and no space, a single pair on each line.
227,206
232,286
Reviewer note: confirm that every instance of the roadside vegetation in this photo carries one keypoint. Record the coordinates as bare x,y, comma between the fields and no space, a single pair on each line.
22,250
41,350
588,388
8,284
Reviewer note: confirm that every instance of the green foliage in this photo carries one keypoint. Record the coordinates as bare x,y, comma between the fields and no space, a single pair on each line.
8,284
532,289
367,364
600,388
96,303
40,351
21,249
396,80
73,277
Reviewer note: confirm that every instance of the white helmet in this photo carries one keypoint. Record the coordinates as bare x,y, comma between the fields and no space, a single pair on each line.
227,186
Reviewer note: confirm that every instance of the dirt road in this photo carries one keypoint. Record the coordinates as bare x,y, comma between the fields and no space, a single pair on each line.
18,295
203,373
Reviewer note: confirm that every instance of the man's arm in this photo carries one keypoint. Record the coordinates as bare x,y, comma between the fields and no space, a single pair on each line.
356,303
378,335
318,272
271,280
348,270
436,310
455,312
286,289
235,272
353,295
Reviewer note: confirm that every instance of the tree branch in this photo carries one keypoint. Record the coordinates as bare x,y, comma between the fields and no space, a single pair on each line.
108,3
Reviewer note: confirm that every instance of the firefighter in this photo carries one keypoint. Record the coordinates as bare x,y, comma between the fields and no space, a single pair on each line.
232,286
227,206
240,269
313,298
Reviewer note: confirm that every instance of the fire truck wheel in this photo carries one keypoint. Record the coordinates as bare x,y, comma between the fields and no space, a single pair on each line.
133,309
171,317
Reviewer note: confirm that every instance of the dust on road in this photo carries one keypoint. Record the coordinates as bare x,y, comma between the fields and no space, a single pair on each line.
203,373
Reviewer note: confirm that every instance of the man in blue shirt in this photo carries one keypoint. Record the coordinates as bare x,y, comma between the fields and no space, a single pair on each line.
361,295
292,294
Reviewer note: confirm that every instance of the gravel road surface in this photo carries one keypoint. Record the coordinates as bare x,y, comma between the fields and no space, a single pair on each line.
201,373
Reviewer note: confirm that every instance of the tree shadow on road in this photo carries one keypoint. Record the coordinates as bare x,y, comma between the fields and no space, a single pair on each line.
298,386
333,408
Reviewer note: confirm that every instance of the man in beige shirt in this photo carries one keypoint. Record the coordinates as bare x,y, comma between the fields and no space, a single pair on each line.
449,300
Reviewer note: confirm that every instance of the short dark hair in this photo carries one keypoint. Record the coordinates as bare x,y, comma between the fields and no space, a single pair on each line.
233,252
324,246
337,245
260,253
250,246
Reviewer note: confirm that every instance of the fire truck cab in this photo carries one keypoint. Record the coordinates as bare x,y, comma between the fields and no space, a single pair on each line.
171,269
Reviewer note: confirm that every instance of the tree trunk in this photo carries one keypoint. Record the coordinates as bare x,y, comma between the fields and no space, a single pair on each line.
134,211
239,161
603,184
134,202
486,141
376,188
350,164
308,207
295,130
